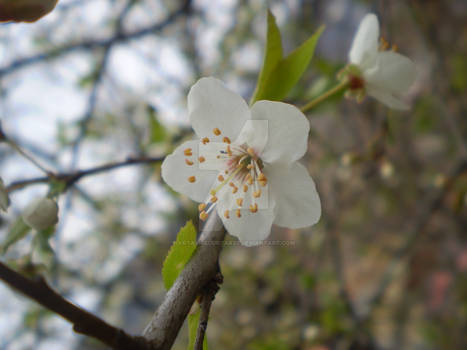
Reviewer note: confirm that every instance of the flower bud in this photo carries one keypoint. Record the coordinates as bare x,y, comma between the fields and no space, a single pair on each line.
41,213
4,199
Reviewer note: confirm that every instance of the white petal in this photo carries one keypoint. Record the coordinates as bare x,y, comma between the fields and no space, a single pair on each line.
297,201
390,100
393,72
176,172
288,131
251,228
4,199
211,105
365,42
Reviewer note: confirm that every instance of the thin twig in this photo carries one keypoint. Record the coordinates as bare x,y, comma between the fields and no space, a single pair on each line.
83,321
73,177
208,295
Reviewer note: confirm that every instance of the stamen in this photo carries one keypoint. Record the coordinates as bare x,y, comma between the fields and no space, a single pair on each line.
231,184
239,215
239,202
235,189
220,178
226,214
254,208
229,151
251,151
203,215
201,159
394,48
205,140
226,139
216,131
188,162
250,166
245,188
213,192
202,206
187,152
263,182
213,199
257,194
191,179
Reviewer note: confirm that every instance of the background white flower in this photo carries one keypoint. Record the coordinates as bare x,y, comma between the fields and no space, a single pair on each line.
41,213
245,163
386,75
4,199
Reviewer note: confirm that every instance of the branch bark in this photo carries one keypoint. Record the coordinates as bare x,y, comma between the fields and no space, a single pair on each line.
200,270
83,321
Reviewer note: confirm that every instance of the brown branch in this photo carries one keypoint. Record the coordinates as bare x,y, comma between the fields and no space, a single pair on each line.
83,321
208,295
73,177
200,270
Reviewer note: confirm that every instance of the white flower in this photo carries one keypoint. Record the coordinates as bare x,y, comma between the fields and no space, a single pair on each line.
41,213
4,199
386,75
244,163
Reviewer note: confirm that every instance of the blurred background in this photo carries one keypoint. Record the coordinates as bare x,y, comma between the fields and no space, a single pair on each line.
99,81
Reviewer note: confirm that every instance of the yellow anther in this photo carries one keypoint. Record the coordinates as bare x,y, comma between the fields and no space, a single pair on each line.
216,131
191,179
226,214
205,140
237,212
229,151
226,139
261,177
249,166
235,189
201,159
239,202
254,208
213,192
250,181
231,184
188,162
263,182
257,194
220,178
245,188
188,152
203,215
202,206
394,48
213,199
383,45
251,151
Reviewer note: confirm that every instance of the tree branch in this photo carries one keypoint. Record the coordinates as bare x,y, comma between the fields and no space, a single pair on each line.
200,270
73,177
208,294
83,321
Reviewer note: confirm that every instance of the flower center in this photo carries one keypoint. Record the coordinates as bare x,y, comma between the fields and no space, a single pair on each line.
241,173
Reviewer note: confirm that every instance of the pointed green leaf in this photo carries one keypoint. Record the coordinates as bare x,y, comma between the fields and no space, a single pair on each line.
18,231
272,55
158,132
179,254
193,321
289,70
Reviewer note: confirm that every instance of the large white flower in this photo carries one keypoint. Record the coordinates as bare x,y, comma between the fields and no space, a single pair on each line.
383,74
244,163
4,199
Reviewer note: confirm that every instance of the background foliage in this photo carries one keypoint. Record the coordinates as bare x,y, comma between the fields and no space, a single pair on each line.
102,80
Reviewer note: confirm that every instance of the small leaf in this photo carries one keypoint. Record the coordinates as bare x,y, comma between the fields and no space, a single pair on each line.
193,321
18,231
272,56
42,250
179,254
158,132
289,70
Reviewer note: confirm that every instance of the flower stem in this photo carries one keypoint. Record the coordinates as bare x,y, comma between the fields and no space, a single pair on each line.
336,89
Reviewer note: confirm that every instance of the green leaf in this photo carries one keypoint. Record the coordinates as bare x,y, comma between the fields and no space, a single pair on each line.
18,231
158,132
42,250
289,70
272,56
193,321
179,254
